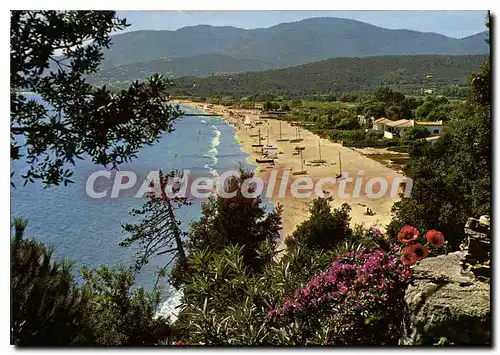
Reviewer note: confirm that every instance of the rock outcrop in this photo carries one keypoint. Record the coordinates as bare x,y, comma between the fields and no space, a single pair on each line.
477,249
449,298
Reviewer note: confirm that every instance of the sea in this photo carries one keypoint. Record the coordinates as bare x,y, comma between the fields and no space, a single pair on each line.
88,231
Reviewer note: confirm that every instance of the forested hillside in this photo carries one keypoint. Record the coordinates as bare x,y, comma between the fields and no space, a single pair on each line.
410,74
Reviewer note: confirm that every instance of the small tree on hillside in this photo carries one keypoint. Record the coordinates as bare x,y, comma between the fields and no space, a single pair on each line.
350,122
374,109
268,106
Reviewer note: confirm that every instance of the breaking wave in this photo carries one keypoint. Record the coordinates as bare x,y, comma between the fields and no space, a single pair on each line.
168,309
212,152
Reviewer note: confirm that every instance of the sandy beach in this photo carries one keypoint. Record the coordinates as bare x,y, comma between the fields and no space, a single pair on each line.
353,163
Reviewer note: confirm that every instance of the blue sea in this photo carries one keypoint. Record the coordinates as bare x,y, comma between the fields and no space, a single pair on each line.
88,231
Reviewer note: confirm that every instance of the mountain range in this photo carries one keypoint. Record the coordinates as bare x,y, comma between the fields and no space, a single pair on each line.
196,50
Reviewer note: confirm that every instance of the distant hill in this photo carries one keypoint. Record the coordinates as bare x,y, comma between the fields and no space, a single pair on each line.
474,43
284,45
141,46
199,65
340,75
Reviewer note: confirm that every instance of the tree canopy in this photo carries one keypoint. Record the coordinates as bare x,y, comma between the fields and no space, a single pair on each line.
238,220
51,52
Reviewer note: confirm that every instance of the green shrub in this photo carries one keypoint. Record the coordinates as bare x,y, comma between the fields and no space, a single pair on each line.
324,228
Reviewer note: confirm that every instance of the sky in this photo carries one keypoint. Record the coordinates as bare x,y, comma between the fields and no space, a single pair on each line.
455,24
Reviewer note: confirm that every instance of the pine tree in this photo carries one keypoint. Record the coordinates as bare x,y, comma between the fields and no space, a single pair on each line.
158,232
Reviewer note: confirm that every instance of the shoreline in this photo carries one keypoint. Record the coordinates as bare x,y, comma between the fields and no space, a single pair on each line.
296,210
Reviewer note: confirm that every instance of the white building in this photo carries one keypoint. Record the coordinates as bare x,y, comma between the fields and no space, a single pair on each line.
434,128
397,129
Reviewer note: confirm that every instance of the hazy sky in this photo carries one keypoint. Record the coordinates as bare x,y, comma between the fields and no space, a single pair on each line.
450,23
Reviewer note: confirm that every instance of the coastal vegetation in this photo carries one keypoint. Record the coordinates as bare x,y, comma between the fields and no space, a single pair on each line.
452,179
334,284
350,120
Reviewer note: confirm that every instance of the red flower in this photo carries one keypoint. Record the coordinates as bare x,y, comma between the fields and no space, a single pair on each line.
435,238
178,342
408,234
420,251
408,257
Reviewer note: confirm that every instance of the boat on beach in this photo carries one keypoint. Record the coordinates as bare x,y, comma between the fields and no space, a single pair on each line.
301,171
264,160
320,160
282,139
297,138
258,145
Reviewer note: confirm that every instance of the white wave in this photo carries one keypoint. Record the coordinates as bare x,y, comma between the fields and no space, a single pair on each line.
216,140
203,121
212,152
168,309
212,171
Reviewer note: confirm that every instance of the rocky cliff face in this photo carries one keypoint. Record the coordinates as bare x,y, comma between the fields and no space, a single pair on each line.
449,299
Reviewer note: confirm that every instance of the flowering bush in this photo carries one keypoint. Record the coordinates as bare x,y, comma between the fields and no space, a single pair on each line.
359,297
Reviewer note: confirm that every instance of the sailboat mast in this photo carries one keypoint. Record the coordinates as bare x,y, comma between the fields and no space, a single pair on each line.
301,162
340,165
319,148
268,134
280,129
259,136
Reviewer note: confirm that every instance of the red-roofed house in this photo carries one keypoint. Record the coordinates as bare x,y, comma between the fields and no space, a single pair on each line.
379,124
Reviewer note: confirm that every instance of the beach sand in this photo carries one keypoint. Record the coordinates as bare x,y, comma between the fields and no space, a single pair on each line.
296,210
